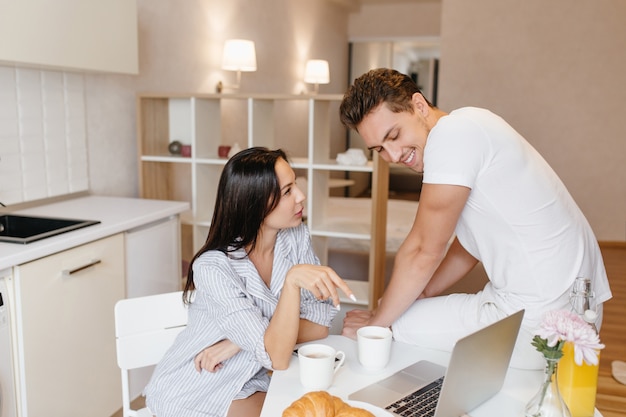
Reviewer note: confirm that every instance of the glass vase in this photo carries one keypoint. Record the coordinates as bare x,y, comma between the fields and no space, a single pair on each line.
577,383
548,402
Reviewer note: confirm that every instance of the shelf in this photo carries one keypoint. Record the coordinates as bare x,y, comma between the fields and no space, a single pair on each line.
170,159
207,121
329,165
340,231
338,183
360,290
212,161
334,166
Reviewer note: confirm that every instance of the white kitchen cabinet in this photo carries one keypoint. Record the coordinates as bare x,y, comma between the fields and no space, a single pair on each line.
207,121
153,260
8,398
153,266
71,34
65,331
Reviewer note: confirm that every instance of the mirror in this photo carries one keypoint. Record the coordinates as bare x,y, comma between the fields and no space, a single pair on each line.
418,58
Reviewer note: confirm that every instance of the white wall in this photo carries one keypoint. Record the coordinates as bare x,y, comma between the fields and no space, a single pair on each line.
43,138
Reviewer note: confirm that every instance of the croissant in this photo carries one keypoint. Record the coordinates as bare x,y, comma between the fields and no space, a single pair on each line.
323,404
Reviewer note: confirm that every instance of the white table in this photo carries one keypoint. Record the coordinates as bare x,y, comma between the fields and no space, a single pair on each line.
519,386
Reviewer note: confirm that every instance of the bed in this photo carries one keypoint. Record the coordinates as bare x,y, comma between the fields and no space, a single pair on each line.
350,257
358,212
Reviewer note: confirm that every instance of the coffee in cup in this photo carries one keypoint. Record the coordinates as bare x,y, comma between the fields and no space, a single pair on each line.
318,365
374,347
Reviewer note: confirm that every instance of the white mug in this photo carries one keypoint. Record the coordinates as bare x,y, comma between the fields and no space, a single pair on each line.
318,365
374,347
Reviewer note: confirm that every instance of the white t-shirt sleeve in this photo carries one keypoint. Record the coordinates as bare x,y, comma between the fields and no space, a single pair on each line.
456,152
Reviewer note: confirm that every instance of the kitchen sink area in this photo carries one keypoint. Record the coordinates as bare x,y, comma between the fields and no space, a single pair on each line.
27,229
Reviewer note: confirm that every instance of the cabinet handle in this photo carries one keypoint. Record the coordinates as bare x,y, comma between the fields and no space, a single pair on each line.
68,272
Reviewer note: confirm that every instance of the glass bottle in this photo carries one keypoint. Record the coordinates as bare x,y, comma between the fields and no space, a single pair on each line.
548,401
578,383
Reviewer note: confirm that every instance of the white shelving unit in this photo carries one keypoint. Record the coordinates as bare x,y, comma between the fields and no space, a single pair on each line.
208,121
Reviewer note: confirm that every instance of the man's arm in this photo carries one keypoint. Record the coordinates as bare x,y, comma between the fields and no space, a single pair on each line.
421,253
457,263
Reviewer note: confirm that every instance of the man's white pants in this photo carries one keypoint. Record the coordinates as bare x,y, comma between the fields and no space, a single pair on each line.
438,322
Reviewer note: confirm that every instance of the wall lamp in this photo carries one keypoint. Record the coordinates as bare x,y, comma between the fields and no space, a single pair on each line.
316,72
239,55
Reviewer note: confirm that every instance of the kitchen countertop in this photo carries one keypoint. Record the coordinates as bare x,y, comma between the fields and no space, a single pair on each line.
116,214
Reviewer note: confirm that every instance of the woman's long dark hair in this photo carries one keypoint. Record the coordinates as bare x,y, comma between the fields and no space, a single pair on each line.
248,191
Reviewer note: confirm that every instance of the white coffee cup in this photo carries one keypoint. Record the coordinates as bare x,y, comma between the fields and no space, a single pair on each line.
318,365
374,347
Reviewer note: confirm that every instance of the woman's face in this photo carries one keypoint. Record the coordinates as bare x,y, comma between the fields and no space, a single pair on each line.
288,212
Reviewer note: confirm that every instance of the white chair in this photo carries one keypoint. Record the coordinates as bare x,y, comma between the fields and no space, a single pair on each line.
145,327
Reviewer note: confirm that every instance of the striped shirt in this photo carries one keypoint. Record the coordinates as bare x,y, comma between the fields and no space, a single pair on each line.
232,302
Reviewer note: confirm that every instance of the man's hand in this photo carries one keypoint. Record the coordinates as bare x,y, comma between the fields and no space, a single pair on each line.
354,320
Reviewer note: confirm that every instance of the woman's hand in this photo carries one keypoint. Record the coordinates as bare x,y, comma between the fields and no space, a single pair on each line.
211,359
322,281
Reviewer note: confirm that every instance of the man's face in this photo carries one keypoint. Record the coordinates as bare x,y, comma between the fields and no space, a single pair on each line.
398,137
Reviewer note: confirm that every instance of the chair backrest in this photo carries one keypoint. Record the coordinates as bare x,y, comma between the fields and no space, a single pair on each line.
145,327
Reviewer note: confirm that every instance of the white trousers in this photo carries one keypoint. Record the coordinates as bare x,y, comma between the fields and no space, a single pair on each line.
438,322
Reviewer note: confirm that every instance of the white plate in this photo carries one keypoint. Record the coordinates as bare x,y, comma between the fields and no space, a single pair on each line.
377,411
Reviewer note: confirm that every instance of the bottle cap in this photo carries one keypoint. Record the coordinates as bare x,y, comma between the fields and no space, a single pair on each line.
590,316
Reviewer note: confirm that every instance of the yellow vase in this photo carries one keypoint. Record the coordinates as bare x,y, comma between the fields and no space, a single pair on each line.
577,383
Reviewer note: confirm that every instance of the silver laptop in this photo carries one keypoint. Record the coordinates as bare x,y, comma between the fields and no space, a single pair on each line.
476,372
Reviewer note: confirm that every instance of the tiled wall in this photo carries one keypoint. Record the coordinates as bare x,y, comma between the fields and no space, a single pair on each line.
43,143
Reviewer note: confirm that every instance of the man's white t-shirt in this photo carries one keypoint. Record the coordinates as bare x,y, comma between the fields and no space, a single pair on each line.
519,221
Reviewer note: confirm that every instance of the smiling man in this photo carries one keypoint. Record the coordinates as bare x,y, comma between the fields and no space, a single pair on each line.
484,184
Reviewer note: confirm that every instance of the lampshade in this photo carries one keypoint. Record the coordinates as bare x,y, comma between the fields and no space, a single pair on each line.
317,72
239,55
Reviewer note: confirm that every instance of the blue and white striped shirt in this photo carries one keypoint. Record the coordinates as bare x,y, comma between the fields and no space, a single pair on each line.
232,302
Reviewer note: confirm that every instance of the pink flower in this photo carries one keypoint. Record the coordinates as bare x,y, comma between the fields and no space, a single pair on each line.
562,325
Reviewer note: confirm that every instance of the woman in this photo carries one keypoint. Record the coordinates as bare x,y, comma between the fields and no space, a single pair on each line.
257,288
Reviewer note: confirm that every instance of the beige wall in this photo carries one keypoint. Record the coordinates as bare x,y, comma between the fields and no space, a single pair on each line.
396,20
180,47
555,70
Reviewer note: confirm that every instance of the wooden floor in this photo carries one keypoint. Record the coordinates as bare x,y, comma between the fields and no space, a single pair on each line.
611,397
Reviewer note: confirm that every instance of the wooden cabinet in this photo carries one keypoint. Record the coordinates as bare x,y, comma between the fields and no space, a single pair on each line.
205,122
65,331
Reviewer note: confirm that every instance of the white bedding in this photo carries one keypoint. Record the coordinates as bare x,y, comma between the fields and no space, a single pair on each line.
358,212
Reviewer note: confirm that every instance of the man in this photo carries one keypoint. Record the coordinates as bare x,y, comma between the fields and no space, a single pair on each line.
484,184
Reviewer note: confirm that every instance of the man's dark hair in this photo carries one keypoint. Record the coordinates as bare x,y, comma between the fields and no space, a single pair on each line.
373,88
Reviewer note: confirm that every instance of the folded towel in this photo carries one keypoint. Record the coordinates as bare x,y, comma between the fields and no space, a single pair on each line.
352,156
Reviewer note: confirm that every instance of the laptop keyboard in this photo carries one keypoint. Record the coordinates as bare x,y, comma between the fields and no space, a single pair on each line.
420,403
